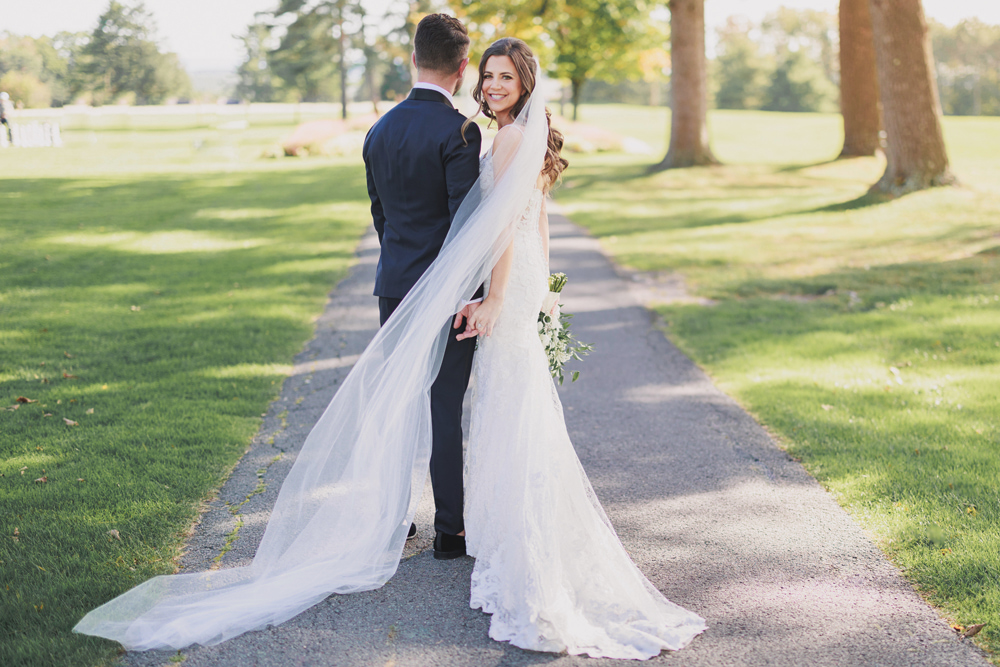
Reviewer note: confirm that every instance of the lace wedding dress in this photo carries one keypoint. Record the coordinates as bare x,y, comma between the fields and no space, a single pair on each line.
549,566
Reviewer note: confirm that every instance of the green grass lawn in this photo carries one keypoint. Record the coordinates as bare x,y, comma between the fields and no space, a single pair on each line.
865,336
154,287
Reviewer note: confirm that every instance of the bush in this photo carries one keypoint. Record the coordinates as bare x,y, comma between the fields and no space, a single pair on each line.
25,89
799,84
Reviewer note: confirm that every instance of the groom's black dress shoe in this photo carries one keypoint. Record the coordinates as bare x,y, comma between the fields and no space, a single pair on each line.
412,532
447,546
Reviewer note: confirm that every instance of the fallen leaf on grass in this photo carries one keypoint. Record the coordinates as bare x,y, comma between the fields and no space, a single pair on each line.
13,407
67,355
79,479
17,535
68,376
826,407
90,411
973,630
114,533
23,469
136,309
42,480
22,399
70,422
47,414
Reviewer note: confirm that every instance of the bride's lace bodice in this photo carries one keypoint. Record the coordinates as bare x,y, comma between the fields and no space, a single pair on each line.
549,567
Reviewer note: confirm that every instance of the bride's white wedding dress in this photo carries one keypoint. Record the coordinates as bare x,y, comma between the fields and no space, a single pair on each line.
549,566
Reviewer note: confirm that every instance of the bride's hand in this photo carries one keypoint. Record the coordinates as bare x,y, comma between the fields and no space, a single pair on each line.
483,319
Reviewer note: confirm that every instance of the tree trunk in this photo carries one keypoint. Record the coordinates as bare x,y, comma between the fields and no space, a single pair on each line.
858,80
342,65
689,88
370,62
577,85
916,155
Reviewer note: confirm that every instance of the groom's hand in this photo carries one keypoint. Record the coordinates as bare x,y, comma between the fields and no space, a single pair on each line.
466,313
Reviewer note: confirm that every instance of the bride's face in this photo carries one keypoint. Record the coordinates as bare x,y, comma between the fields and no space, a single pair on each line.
501,85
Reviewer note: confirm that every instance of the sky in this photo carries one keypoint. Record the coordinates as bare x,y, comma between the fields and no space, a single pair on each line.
202,32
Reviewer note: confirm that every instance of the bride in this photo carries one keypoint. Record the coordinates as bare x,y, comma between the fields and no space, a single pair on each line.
549,566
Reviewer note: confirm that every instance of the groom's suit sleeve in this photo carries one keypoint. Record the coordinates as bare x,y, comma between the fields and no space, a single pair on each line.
378,215
461,166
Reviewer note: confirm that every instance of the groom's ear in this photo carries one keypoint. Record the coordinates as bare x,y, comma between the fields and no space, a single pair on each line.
413,58
462,66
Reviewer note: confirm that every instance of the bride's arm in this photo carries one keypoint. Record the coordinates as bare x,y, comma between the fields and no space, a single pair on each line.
543,231
505,146
485,317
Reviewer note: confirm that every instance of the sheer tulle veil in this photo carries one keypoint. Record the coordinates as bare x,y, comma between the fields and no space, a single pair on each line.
341,517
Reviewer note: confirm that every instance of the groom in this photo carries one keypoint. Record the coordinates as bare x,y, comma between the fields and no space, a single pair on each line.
419,170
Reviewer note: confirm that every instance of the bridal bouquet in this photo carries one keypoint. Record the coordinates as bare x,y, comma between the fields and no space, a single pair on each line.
553,328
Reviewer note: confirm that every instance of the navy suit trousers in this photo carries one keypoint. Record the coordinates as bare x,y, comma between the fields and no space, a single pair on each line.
447,395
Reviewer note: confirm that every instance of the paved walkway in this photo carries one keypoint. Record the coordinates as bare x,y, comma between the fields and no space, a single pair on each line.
719,518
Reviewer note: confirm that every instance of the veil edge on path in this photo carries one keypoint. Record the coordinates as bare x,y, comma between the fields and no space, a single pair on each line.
341,517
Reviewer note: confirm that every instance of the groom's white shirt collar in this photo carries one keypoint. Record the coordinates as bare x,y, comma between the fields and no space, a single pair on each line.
436,88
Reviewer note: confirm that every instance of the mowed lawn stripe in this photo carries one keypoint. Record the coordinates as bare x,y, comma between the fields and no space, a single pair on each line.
157,305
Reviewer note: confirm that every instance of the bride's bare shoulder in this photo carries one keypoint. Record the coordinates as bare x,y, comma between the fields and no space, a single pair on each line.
508,139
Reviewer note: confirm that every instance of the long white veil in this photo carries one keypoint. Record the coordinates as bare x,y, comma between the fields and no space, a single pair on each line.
340,521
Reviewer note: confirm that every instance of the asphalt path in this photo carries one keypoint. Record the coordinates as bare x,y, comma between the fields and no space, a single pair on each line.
713,512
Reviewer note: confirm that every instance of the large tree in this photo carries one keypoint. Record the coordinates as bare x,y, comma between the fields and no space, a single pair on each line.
688,88
858,80
592,39
256,81
740,71
122,57
916,154
316,45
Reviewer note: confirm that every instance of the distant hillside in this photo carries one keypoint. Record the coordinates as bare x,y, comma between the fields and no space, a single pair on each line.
213,83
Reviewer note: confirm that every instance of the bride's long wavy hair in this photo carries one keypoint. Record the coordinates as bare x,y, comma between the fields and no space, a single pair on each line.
525,64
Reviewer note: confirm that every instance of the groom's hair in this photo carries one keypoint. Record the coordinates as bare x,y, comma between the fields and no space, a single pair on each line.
441,43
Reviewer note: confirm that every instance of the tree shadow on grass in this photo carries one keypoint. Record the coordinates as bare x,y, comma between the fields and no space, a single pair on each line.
864,201
760,195
791,168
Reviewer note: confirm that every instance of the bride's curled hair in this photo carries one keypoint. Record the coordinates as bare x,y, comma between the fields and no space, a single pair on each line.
525,64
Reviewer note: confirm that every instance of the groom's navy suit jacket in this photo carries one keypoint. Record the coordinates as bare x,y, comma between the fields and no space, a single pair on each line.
419,170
